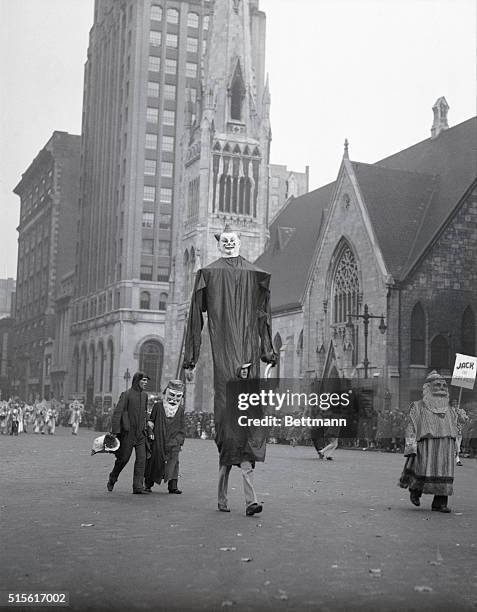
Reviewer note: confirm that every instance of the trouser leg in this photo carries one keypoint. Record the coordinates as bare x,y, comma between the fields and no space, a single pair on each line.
439,501
458,442
122,457
329,448
248,489
139,465
224,471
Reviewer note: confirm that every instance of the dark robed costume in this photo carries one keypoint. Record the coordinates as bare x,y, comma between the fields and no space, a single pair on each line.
169,435
236,296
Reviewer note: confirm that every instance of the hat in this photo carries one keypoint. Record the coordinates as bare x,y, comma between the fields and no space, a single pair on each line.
434,375
227,230
105,444
175,385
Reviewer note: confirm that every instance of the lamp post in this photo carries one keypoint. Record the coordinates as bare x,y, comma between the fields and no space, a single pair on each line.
127,377
366,317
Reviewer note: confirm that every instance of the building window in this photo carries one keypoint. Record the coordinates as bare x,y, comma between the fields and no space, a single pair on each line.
163,301
191,69
145,300
150,167
149,193
277,345
171,66
152,114
163,274
154,63
167,143
440,353
151,358
193,94
193,20
164,221
169,92
167,169
192,44
163,249
111,365
418,335
155,38
166,195
345,287
237,95
148,219
172,16
468,332
147,246
168,117
156,12
151,141
205,22
152,89
171,40
146,273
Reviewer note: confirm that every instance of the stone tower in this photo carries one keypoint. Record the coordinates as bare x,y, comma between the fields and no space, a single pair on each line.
225,168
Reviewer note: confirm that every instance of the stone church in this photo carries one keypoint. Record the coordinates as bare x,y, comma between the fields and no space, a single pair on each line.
396,240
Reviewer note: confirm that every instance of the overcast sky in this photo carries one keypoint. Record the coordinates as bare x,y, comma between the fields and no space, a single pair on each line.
366,70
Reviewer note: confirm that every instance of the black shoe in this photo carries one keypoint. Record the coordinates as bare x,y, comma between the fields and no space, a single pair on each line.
329,458
110,485
253,509
138,491
414,497
321,455
444,509
223,508
147,490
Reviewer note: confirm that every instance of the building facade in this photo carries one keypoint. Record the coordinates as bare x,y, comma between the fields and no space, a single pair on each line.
397,238
48,193
7,291
154,69
225,170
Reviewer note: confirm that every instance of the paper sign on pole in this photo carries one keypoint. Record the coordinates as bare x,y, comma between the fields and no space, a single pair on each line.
465,369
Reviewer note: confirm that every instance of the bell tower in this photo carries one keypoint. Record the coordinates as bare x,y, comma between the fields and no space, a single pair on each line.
225,158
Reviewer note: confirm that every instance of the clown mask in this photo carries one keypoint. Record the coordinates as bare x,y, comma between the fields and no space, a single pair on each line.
229,244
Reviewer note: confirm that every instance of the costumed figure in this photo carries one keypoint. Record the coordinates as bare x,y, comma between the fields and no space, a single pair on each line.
236,296
51,416
3,417
14,421
166,432
430,445
129,424
40,417
76,416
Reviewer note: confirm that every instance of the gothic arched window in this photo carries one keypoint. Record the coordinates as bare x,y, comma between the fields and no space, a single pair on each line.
237,94
440,353
418,335
111,365
151,358
163,301
101,366
468,332
345,289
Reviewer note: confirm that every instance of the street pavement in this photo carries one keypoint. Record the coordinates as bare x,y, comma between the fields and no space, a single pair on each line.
334,535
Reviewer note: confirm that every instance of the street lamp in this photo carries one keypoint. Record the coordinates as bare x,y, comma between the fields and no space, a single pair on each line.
366,317
127,377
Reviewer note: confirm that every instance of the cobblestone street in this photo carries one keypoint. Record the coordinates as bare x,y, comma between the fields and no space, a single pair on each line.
334,535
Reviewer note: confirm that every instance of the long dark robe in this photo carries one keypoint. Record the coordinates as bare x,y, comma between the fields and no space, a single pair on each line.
236,296
169,435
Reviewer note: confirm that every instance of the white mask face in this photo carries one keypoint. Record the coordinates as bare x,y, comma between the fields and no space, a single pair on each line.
229,244
173,397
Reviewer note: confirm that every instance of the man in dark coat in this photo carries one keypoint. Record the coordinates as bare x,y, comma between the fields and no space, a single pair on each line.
236,296
166,429
129,424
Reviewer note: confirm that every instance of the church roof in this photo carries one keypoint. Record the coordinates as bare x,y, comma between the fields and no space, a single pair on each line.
293,238
408,196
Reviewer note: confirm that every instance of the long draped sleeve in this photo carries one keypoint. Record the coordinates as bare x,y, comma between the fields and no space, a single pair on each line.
267,353
195,323
411,432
